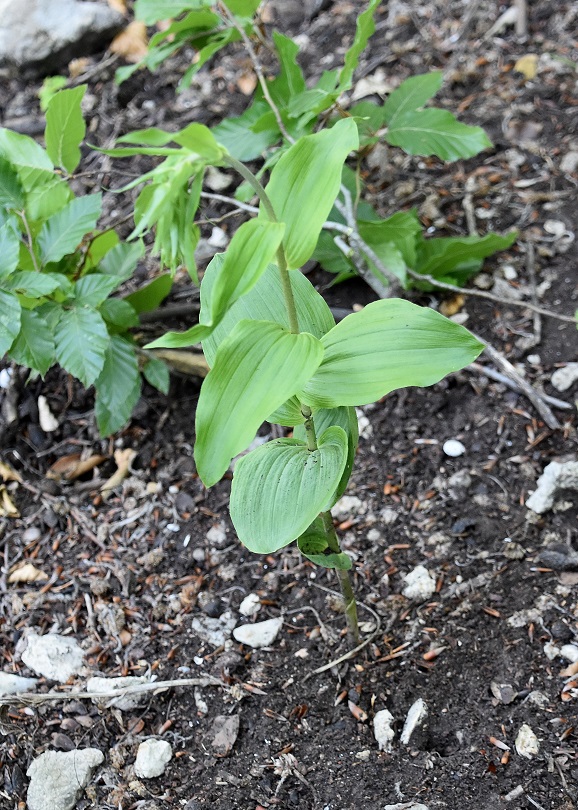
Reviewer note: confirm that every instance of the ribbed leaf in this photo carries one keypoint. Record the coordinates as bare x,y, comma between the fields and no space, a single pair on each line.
10,314
65,128
122,260
256,369
31,283
152,294
365,29
34,346
9,245
11,193
28,158
117,387
412,94
279,489
313,545
264,302
157,374
304,185
63,232
389,344
151,11
95,288
81,343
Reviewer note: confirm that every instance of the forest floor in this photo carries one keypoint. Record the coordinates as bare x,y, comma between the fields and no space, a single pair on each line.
146,579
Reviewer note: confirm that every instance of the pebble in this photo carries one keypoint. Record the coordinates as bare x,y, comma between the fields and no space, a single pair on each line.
152,758
214,631
125,703
14,684
382,729
526,743
217,535
415,717
556,476
261,634
569,162
53,656
569,652
564,378
31,535
250,605
419,584
453,448
347,506
58,777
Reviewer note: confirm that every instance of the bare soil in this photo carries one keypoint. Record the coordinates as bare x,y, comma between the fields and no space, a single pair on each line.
133,577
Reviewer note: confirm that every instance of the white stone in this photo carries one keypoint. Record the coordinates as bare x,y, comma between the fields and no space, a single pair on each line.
363,425
551,650
46,418
214,631
569,162
217,535
382,729
564,378
555,476
39,35
250,605
526,743
349,506
569,652
419,584
415,717
105,685
14,684
56,657
261,634
152,758
453,448
57,778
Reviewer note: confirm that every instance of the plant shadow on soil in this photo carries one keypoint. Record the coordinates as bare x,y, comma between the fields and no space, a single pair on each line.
299,745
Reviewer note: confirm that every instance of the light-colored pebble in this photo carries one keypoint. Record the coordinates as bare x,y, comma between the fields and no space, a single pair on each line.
14,684
349,506
453,448
419,584
124,703
565,377
415,717
57,777
261,634
152,758
250,605
556,476
56,657
526,743
569,652
382,729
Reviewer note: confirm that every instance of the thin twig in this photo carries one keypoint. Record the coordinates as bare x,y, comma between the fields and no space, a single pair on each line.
251,209
492,374
32,699
531,267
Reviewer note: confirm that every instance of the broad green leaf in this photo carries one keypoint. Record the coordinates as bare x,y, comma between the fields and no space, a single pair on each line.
440,257
81,342
401,229
98,247
345,418
33,284
50,87
264,303
63,232
436,132
412,94
290,81
256,369
244,137
11,193
34,346
152,295
370,118
195,138
9,245
65,128
250,251
389,344
122,260
313,545
119,314
309,103
243,8
118,386
28,158
151,11
304,185
365,29
47,197
157,374
95,288
10,314
289,414
279,489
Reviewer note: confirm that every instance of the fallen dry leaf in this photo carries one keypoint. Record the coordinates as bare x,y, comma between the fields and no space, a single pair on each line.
8,474
452,306
570,671
26,573
76,67
132,43
7,508
73,466
123,459
193,363
225,731
528,66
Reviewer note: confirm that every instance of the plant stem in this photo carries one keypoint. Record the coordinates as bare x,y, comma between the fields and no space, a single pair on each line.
309,428
248,175
30,242
343,576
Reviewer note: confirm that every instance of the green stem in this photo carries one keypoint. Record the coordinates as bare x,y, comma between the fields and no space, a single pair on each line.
248,175
343,576
309,428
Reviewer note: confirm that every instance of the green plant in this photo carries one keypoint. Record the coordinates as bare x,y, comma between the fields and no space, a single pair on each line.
58,272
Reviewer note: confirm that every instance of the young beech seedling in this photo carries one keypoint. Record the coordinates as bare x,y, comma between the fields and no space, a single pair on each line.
276,355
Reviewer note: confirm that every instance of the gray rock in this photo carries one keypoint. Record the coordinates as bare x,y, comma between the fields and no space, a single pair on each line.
39,36
107,685
261,634
565,377
14,684
57,777
556,476
152,758
214,631
56,657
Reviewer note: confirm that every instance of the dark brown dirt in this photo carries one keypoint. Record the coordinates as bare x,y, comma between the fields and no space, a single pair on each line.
474,651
